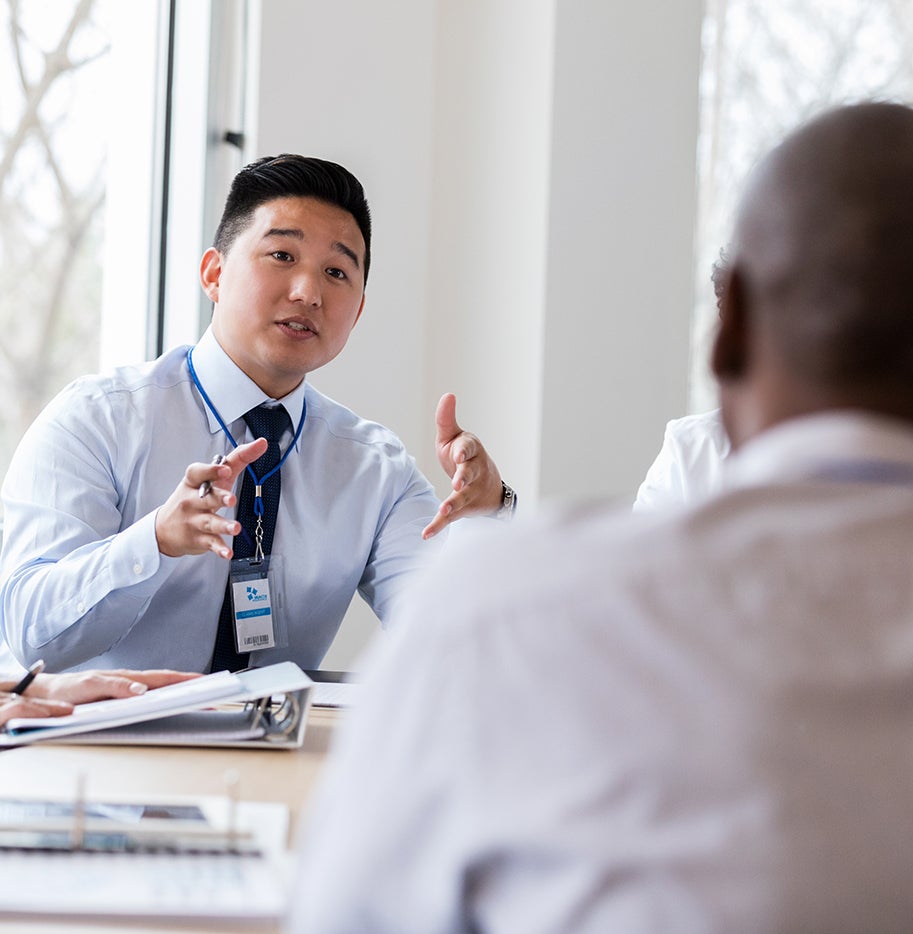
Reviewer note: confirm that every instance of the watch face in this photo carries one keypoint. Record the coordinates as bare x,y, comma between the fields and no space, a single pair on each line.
508,502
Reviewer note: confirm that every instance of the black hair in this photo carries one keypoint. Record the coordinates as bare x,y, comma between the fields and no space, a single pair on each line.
292,176
718,273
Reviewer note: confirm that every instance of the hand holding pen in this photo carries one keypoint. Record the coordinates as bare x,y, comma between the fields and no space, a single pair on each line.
206,485
190,521
14,704
54,695
28,678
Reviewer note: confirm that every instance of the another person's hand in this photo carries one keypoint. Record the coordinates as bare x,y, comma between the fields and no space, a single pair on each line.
81,687
475,478
18,705
54,695
188,523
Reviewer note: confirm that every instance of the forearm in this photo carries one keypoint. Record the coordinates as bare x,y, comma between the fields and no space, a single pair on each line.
71,609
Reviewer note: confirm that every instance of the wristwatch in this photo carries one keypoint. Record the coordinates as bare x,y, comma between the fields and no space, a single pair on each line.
508,502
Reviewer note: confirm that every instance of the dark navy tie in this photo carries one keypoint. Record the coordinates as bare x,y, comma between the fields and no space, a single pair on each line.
269,423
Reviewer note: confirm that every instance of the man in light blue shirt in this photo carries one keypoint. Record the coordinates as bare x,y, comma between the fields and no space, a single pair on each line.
106,563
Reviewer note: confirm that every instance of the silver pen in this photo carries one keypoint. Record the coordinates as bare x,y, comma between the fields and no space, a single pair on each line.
206,486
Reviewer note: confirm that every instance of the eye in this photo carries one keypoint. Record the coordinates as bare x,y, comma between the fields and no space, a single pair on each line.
336,273
282,256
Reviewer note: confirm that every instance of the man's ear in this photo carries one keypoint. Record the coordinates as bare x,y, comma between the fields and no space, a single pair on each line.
729,356
211,273
361,308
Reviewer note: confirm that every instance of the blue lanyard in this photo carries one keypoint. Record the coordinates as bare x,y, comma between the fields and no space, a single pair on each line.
258,483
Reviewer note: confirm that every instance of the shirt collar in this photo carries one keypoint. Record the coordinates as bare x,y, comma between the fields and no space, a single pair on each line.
815,445
231,390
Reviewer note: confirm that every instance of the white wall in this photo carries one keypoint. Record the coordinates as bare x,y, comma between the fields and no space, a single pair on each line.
489,204
531,169
621,222
351,81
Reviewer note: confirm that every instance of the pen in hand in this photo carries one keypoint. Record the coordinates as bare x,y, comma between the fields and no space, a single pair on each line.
29,677
206,486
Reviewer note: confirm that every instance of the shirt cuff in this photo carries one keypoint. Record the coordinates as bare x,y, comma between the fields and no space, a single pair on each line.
135,560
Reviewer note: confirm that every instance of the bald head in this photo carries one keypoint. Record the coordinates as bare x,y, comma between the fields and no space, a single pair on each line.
821,290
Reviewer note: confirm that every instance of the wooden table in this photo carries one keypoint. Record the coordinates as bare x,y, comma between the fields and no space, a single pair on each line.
265,775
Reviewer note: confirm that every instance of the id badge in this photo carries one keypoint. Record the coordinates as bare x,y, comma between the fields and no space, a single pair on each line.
256,598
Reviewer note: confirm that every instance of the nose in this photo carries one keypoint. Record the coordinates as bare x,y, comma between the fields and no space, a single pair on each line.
306,288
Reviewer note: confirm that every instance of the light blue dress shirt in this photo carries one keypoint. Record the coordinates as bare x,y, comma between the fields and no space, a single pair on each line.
84,584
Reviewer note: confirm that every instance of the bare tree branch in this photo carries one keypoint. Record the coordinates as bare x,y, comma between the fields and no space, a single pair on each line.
56,63
77,225
39,295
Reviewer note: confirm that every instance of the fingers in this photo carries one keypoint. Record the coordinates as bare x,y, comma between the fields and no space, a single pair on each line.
445,419
221,477
213,480
473,467
476,485
188,523
104,685
245,454
454,446
468,500
82,687
17,705
463,451
456,506
154,677
100,685
471,462
441,520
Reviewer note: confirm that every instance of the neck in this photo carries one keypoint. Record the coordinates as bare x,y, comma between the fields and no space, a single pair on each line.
750,410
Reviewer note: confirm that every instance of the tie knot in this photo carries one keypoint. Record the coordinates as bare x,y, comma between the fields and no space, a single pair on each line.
269,423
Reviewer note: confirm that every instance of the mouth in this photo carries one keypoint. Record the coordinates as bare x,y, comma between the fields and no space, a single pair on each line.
298,327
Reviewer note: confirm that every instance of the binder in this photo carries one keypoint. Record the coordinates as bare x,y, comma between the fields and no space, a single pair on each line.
260,708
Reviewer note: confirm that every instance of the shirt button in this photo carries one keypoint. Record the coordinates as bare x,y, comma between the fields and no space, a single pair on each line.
80,607
137,568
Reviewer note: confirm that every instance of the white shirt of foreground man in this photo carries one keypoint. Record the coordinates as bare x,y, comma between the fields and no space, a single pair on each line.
696,720
628,743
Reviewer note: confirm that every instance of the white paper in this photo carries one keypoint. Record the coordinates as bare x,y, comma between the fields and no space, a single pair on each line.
334,693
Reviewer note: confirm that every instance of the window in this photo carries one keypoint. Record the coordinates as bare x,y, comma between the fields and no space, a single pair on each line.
96,154
76,79
768,65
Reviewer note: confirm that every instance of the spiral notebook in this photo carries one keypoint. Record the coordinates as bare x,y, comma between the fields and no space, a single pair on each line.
178,858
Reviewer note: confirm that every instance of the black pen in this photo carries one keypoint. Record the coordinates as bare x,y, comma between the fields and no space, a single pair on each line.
29,677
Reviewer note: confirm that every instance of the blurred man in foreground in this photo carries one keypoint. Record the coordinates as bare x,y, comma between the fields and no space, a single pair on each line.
697,721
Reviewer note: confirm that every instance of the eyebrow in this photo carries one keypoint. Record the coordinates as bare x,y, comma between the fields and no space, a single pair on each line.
297,234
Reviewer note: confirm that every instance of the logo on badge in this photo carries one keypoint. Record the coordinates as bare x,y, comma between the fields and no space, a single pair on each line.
254,595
